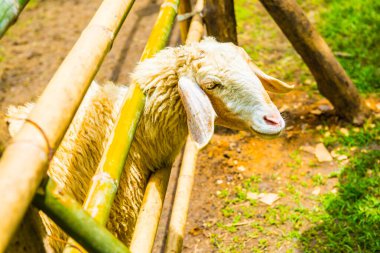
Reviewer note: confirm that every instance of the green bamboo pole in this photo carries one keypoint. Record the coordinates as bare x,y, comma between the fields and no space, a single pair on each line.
9,11
24,161
101,194
70,216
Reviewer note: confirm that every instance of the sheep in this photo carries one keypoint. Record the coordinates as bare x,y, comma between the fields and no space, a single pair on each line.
188,89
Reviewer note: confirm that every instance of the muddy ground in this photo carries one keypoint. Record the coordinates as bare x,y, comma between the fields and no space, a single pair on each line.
234,164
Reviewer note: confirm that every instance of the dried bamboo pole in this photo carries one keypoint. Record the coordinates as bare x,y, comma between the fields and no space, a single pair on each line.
196,26
150,212
184,8
102,192
70,216
9,12
53,113
181,204
185,183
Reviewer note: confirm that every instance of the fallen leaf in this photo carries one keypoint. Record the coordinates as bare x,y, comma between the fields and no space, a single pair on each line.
316,112
252,195
219,181
335,153
268,198
342,157
316,191
195,231
344,131
284,108
308,149
322,153
325,107
241,168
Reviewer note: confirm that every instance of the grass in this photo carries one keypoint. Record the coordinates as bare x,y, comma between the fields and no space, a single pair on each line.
345,221
353,220
352,28
348,218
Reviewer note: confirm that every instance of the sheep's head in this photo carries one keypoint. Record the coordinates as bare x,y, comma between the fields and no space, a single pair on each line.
224,86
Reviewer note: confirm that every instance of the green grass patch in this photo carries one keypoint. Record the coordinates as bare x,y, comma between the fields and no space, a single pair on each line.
353,223
358,137
352,28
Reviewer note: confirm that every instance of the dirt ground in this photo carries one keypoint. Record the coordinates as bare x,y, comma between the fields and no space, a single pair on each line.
234,162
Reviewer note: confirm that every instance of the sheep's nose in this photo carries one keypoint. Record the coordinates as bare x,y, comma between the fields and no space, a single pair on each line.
272,119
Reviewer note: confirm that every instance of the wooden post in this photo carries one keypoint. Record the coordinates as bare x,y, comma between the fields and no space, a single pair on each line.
219,16
333,82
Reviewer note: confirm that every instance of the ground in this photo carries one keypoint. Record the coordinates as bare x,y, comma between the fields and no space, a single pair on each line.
226,214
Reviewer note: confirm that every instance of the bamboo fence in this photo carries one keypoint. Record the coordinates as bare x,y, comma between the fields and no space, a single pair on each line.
9,12
185,183
24,162
70,216
184,9
150,212
102,192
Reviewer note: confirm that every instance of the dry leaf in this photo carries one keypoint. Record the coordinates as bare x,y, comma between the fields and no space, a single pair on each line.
322,153
284,108
252,195
195,231
325,107
266,198
316,112
219,181
342,157
308,149
316,191
344,131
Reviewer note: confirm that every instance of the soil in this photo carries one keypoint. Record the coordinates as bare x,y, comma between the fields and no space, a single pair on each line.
32,50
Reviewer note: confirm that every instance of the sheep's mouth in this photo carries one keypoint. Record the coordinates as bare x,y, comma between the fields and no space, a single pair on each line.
266,135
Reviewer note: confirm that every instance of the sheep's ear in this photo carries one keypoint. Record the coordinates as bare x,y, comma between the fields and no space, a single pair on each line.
270,83
199,111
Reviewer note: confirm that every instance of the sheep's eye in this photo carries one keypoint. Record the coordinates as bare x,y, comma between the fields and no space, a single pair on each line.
211,84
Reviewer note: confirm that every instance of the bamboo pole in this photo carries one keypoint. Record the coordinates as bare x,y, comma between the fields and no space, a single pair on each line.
184,8
9,12
185,183
196,26
102,192
181,204
150,212
70,216
24,161
148,220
